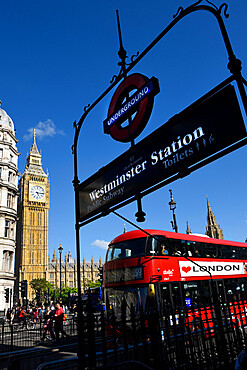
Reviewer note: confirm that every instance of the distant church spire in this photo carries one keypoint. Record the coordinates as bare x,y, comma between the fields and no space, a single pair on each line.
54,257
188,230
213,230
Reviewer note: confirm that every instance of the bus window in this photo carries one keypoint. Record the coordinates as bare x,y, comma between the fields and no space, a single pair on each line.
109,254
221,291
189,248
177,251
165,298
154,245
243,253
162,246
198,247
158,246
234,286
219,252
116,253
210,250
132,296
176,296
191,294
204,292
170,297
197,294
229,252
125,249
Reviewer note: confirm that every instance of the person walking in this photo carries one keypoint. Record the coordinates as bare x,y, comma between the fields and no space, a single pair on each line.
35,315
59,318
9,316
48,324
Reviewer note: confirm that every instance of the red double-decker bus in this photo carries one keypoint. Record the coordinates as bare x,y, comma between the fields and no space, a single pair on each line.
171,271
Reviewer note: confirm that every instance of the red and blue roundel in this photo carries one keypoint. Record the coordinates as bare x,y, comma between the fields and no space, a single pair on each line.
135,109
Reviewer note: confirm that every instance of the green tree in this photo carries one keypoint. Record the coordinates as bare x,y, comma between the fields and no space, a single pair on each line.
41,284
91,284
65,294
46,288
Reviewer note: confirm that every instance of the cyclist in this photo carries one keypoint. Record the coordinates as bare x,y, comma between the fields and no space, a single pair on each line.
22,317
34,315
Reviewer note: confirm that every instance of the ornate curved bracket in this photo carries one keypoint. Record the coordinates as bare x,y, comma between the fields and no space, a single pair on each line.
133,57
225,6
86,107
181,10
113,79
123,66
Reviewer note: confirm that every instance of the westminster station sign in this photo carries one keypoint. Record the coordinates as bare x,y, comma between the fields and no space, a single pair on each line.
198,132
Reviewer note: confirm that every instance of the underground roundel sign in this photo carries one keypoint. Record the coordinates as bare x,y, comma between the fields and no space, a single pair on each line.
130,107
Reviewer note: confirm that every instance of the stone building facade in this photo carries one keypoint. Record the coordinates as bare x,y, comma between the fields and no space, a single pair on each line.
89,271
8,206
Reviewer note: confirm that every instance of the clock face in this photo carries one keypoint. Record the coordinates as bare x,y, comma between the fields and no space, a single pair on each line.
37,192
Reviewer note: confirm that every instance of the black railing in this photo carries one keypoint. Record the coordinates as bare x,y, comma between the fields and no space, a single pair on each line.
202,336
28,334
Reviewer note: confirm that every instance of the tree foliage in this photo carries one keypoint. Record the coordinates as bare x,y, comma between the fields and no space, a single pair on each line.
41,284
91,284
49,292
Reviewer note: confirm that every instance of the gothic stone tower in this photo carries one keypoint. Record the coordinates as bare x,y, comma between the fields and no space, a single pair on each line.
213,230
32,226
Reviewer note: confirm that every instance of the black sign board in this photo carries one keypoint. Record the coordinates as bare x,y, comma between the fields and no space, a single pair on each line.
195,134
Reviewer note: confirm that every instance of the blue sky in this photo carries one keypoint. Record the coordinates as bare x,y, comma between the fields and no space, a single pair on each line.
57,57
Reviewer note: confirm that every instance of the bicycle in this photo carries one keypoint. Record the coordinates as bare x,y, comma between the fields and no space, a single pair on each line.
27,323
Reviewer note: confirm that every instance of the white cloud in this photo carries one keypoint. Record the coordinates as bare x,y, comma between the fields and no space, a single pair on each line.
43,129
100,244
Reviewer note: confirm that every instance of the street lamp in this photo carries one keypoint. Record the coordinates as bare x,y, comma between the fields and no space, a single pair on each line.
60,249
173,206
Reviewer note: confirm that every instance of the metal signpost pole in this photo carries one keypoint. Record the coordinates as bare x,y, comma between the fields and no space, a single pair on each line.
60,249
80,324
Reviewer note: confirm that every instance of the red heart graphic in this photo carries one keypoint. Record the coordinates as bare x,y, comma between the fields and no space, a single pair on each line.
186,269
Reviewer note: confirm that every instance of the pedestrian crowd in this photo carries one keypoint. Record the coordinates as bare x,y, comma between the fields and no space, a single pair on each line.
52,316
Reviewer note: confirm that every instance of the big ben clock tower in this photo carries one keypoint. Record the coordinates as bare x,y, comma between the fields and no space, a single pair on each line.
32,224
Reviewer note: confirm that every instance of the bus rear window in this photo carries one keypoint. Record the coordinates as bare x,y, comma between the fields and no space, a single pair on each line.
125,249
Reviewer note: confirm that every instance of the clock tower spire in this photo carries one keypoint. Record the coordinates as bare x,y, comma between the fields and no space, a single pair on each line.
32,226
34,159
